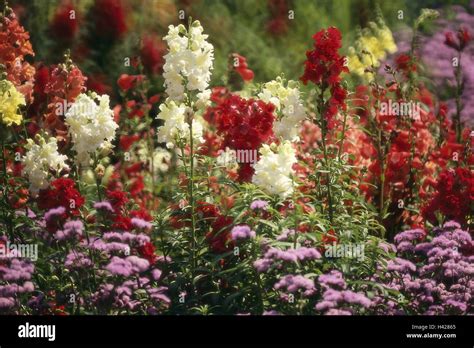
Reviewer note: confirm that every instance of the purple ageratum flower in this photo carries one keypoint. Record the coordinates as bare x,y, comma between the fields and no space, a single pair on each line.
271,312
356,298
138,264
332,279
409,235
120,267
336,311
7,302
18,270
262,265
104,205
141,224
294,283
72,229
54,212
242,232
285,235
400,265
259,204
293,255
77,260
451,225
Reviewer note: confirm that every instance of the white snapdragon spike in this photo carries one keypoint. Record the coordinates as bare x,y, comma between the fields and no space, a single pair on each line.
188,63
91,125
288,105
40,159
175,127
274,169
161,160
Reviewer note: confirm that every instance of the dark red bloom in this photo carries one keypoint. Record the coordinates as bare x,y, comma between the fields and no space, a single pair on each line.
405,63
240,65
278,24
151,54
126,141
109,19
62,192
219,237
118,199
324,67
453,197
137,186
125,81
147,251
244,124
65,22
460,41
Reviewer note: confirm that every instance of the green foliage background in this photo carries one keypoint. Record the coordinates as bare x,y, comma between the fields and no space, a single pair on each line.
233,26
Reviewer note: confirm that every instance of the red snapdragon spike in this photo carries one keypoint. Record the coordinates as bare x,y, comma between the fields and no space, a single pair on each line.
242,68
62,192
64,25
14,47
324,67
126,82
451,41
147,251
464,37
109,19
244,124
453,196
152,51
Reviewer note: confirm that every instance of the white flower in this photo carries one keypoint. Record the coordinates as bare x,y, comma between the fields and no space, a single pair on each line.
288,105
161,160
274,169
175,127
189,60
91,125
40,159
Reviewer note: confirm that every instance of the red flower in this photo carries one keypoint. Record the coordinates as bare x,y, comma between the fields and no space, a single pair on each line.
137,186
405,63
62,192
14,46
151,54
109,19
244,124
323,67
453,197
463,38
118,199
219,237
240,65
98,84
125,81
64,24
126,141
278,25
147,251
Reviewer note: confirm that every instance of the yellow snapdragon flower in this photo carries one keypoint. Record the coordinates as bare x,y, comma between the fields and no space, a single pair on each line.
10,100
370,48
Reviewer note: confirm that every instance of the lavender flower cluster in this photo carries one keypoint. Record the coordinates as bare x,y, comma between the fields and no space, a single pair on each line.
441,278
273,255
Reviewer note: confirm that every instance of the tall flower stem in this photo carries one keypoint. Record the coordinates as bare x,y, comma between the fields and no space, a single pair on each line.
326,160
6,189
97,179
457,115
191,197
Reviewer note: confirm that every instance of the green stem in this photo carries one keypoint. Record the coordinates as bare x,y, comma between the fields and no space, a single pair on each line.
457,116
326,160
6,190
191,199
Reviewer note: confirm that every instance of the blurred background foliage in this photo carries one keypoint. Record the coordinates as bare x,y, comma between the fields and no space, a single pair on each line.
260,30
